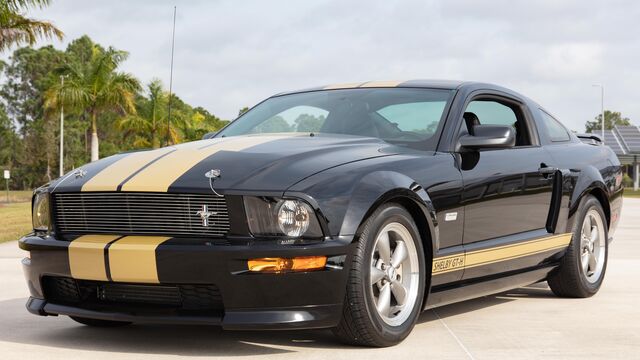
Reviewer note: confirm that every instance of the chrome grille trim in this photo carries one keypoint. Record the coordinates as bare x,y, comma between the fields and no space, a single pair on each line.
139,214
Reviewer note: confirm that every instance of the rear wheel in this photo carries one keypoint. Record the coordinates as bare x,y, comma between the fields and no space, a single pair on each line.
99,322
583,267
387,281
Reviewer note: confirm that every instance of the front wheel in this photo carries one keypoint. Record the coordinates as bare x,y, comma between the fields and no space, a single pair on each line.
386,282
582,269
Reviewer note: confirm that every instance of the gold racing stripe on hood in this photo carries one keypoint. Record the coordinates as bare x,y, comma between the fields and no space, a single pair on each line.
157,177
86,257
110,177
133,259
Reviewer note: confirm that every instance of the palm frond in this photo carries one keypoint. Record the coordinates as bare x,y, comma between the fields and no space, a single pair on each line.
17,29
134,124
18,5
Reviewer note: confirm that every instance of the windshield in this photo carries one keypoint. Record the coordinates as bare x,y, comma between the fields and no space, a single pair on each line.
408,116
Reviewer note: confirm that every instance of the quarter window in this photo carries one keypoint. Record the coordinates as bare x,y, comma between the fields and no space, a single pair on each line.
555,130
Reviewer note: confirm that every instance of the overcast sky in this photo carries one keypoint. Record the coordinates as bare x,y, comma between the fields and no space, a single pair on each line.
231,54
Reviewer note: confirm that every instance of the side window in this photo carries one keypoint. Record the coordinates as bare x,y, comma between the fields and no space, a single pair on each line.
555,130
295,119
491,112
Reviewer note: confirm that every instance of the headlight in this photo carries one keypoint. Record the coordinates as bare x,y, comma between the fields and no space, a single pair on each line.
281,217
40,212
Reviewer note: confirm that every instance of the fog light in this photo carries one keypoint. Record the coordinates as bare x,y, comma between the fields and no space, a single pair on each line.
277,265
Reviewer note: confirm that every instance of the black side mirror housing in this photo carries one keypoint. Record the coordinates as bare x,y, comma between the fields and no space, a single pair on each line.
209,135
489,137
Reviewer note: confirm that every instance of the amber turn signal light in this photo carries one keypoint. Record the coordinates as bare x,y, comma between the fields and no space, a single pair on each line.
278,265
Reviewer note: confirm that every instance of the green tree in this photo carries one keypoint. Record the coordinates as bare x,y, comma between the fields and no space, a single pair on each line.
243,110
149,123
17,29
202,122
27,74
611,118
95,88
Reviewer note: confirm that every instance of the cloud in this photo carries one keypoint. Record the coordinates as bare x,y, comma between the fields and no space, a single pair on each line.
231,54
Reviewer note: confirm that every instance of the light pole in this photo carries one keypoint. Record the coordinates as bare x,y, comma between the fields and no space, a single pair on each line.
601,86
61,129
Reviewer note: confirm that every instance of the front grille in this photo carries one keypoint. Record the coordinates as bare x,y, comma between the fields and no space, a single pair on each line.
140,214
98,294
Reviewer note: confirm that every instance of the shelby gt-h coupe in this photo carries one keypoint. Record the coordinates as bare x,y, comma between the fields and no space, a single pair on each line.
353,207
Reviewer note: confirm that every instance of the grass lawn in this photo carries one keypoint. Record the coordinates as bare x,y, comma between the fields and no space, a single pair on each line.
15,220
15,196
630,193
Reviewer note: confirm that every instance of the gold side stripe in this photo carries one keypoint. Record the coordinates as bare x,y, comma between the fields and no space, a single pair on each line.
515,257
86,257
449,263
113,175
507,252
387,83
133,259
157,177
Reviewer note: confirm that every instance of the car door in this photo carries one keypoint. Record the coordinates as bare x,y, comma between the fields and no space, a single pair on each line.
507,193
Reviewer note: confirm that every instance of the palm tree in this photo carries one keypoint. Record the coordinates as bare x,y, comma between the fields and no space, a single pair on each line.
149,125
15,28
95,88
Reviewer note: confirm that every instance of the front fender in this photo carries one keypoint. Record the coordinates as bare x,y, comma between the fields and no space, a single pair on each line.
345,199
379,187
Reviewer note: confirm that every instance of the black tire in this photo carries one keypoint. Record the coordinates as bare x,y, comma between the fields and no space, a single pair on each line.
570,280
361,323
99,322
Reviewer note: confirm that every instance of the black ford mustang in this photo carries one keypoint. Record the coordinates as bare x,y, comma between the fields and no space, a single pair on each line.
352,207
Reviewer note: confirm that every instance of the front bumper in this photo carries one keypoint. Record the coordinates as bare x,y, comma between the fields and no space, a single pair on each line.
299,300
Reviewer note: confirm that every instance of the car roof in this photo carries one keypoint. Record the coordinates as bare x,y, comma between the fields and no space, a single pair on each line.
418,83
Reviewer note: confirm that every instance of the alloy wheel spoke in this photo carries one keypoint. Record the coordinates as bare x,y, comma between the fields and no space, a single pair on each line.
586,228
593,262
399,254
384,300
584,261
594,234
376,275
384,248
399,292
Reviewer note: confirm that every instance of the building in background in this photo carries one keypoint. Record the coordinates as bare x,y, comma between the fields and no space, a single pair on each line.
625,142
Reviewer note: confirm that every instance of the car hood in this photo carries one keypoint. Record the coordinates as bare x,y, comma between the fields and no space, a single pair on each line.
245,163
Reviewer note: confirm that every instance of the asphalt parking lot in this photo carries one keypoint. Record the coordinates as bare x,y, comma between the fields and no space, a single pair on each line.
524,323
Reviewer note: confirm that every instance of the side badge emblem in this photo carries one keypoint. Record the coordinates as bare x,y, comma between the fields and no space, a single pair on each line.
452,216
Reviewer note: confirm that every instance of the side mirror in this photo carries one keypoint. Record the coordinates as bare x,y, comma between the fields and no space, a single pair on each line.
489,137
209,135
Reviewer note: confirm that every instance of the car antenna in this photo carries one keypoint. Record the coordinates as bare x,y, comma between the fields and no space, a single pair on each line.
173,41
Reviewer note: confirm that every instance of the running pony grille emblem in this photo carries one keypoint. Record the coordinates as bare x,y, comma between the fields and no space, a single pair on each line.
205,214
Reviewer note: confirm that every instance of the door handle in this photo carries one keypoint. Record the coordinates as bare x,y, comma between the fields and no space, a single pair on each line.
547,170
